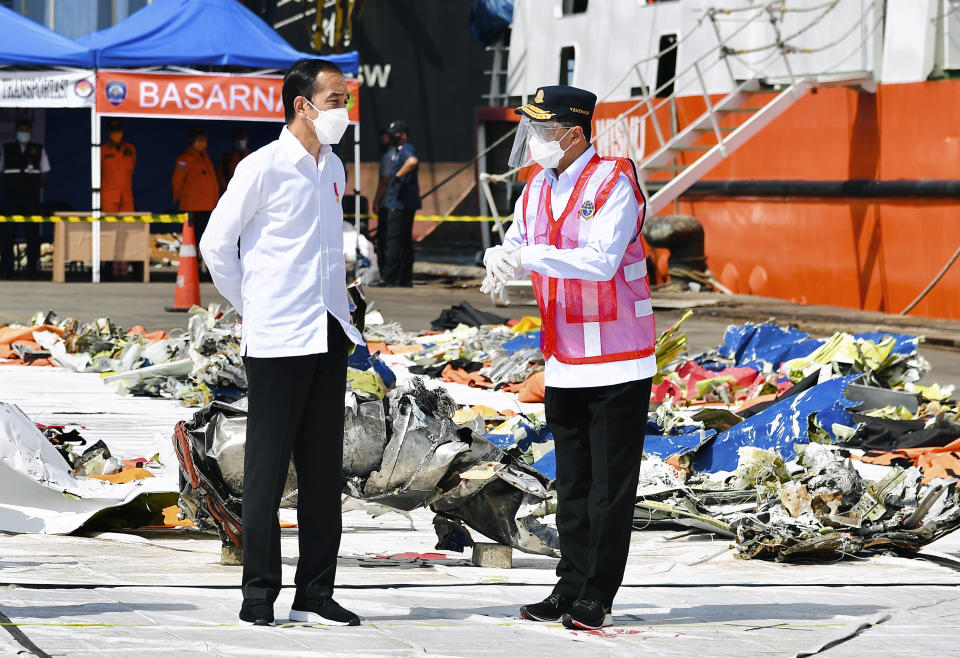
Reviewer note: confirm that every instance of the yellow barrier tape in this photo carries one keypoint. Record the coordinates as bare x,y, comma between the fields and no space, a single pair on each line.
179,219
441,218
144,219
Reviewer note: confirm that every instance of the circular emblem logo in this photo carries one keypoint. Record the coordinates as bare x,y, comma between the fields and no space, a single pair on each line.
116,92
83,88
539,96
587,209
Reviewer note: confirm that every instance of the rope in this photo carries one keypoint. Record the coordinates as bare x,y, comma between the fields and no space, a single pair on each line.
791,49
777,5
876,25
467,164
782,42
651,58
676,77
935,281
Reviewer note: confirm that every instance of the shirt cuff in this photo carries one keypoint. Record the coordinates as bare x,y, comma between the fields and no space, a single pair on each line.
527,255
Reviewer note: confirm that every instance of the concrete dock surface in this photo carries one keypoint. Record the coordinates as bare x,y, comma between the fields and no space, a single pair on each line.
164,592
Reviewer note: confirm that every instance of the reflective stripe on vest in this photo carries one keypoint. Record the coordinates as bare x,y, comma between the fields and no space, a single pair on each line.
590,321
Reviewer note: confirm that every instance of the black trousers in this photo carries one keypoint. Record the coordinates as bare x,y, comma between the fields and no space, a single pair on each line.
8,234
380,243
598,434
199,219
295,408
398,248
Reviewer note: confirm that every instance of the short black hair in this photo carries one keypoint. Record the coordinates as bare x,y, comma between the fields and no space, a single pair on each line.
586,124
301,80
238,133
25,122
197,131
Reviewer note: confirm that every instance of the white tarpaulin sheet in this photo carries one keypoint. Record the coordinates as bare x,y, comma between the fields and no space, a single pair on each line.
47,89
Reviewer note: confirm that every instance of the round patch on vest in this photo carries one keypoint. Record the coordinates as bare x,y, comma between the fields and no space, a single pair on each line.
587,209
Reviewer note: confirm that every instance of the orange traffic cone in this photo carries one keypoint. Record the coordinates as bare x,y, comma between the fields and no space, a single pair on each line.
188,275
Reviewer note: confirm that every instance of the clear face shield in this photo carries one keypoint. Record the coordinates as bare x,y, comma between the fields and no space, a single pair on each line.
538,131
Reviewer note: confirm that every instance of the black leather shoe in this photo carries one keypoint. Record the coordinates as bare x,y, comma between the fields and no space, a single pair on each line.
588,615
322,610
380,283
551,608
256,613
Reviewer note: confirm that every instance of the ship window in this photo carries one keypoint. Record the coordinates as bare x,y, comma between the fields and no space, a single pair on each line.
574,7
567,60
666,64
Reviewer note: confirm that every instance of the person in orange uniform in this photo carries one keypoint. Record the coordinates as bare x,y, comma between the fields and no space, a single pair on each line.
230,159
194,182
117,161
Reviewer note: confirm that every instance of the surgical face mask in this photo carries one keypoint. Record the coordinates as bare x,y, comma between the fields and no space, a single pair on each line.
23,136
547,154
240,144
330,124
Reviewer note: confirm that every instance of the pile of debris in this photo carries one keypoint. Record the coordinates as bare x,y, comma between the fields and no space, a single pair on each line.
798,447
791,445
194,365
402,452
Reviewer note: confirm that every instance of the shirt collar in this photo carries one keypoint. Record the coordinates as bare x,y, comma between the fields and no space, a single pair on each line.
295,149
571,173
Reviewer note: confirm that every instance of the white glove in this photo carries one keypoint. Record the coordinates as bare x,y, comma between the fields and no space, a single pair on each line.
502,263
491,285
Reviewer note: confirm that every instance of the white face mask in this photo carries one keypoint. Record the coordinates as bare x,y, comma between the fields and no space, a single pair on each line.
547,154
23,137
330,124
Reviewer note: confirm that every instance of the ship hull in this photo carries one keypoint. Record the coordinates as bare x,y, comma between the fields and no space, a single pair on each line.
848,198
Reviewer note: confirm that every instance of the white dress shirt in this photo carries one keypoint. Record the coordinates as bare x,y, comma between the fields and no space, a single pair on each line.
284,209
612,230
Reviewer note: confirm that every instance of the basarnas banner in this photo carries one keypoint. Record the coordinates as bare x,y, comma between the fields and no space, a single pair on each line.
46,89
198,96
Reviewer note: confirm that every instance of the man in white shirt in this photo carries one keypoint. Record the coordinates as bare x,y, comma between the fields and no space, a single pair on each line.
576,231
282,207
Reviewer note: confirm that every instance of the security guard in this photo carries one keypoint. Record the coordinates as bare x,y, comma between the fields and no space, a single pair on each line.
398,199
25,167
194,182
118,158
576,231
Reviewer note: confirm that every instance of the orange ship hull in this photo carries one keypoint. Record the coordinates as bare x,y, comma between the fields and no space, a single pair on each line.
875,253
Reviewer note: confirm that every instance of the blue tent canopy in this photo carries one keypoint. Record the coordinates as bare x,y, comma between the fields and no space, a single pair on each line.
26,43
197,33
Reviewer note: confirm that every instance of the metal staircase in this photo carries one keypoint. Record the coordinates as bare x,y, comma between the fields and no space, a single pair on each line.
723,128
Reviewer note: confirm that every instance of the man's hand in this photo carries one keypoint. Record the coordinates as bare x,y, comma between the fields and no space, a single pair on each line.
491,285
502,264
